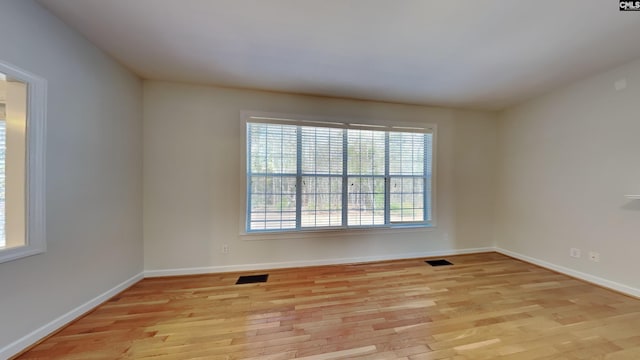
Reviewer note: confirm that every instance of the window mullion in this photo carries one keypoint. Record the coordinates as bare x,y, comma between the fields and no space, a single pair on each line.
298,177
345,178
387,181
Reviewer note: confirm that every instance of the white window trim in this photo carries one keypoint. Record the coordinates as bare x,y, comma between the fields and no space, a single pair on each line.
35,241
315,120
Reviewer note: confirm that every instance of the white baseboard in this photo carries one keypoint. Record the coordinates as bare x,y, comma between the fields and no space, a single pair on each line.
625,289
305,263
33,337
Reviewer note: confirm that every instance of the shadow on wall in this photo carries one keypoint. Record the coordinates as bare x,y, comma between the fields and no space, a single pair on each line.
633,205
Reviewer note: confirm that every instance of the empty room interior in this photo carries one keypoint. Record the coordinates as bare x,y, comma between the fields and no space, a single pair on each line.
319,179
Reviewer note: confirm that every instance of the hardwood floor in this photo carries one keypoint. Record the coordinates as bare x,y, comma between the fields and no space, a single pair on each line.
485,306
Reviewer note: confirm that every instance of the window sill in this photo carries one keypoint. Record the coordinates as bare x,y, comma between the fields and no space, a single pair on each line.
15,253
339,232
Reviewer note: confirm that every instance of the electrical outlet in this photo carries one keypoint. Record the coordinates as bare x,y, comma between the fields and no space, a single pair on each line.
594,256
225,248
575,252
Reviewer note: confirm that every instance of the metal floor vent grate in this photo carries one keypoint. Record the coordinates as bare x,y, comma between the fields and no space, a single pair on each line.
441,262
252,279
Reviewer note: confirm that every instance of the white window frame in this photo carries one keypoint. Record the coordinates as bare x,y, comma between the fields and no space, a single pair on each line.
35,240
363,124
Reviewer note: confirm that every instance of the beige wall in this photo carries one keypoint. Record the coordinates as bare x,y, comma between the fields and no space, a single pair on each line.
566,161
193,174
94,177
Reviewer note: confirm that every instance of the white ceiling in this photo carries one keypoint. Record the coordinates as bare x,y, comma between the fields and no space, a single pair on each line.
467,53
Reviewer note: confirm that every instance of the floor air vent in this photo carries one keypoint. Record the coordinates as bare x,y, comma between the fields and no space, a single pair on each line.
438,262
252,279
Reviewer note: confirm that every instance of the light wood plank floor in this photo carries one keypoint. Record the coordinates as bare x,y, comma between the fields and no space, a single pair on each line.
486,306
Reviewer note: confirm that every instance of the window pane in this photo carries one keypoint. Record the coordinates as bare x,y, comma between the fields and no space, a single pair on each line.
428,153
366,152
366,201
321,150
3,149
272,148
406,153
406,197
321,201
13,174
272,202
407,159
